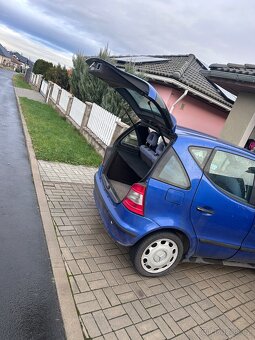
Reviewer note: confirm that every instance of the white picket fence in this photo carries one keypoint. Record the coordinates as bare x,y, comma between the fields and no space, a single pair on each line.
77,111
35,79
44,88
54,94
102,123
32,78
64,99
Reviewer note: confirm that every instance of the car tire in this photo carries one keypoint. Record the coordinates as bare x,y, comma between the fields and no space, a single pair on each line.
157,254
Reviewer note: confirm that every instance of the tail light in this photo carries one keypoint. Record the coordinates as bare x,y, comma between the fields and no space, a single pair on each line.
134,201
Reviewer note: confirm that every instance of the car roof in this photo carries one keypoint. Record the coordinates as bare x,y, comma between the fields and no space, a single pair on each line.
195,137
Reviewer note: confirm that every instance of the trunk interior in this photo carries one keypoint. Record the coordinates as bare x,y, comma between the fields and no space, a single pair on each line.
121,189
125,169
126,163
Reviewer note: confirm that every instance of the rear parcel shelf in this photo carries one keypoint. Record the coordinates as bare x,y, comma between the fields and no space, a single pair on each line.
135,163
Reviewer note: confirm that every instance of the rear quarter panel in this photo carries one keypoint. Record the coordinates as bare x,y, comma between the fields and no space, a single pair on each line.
169,206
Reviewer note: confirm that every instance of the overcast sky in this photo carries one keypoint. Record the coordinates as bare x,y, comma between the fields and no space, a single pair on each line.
215,31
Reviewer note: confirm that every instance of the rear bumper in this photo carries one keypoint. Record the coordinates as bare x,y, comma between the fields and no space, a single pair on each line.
125,227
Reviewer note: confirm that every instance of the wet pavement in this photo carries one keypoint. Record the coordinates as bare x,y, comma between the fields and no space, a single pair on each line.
29,306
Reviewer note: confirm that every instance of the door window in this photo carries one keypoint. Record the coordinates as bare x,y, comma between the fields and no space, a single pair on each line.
232,173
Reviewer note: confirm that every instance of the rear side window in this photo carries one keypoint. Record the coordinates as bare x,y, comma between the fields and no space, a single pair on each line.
232,173
130,139
200,155
170,170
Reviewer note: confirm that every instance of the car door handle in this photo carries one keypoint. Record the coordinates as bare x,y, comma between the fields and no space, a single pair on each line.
205,210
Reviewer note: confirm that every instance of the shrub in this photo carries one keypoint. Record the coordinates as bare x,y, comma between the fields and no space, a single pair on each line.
89,88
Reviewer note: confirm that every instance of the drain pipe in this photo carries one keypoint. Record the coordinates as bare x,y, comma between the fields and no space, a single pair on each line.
179,99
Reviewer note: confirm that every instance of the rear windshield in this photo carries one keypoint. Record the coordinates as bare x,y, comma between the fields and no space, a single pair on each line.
144,103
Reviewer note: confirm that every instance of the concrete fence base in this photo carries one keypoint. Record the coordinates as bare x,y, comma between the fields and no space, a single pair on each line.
93,140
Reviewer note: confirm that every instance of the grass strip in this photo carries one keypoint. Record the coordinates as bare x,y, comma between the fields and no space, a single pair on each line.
53,138
19,81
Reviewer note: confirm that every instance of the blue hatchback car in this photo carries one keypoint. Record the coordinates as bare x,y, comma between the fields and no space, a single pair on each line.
170,193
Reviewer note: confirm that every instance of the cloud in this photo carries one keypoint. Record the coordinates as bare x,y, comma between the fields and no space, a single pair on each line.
15,41
215,31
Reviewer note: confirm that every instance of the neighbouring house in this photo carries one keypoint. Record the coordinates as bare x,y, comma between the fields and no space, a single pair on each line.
195,101
16,64
25,62
14,60
5,57
239,80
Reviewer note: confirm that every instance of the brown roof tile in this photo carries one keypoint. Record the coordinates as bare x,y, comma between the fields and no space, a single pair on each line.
184,68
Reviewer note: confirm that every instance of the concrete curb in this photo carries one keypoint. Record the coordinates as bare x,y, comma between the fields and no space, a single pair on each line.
67,306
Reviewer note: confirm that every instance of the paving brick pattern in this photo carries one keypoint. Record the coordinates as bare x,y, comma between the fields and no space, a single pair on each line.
196,301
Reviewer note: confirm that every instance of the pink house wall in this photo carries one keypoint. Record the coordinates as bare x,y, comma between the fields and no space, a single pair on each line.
193,113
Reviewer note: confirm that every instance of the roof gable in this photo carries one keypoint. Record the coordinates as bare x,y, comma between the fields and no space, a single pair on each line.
23,59
4,52
186,69
248,69
235,78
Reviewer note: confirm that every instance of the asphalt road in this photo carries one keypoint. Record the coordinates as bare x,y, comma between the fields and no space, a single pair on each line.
29,306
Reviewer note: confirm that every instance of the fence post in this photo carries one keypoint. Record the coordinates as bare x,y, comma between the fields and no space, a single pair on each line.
86,115
49,91
28,75
58,96
69,105
119,129
39,82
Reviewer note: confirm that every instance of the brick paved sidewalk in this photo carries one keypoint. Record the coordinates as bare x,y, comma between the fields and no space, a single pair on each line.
194,302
